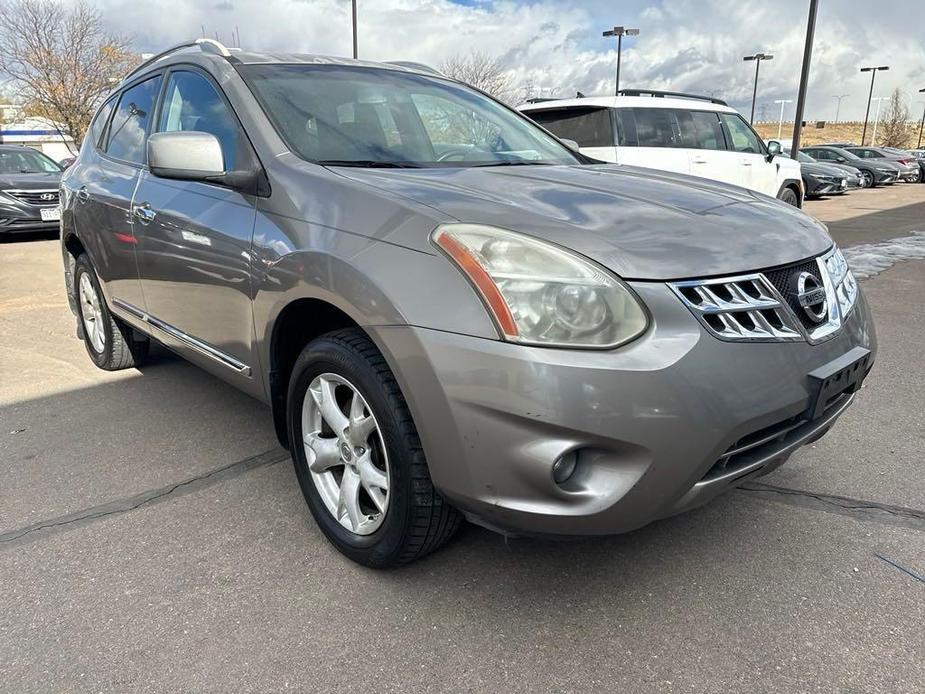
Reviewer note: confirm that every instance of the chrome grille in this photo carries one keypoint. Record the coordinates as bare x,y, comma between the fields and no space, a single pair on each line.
765,306
39,198
739,308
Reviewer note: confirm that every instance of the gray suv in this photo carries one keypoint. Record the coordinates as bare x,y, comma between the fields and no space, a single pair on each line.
451,313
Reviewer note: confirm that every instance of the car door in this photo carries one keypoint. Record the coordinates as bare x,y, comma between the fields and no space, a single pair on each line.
755,171
649,137
105,190
703,136
194,254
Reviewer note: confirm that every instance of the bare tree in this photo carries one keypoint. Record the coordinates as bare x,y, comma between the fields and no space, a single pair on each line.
894,124
482,72
60,59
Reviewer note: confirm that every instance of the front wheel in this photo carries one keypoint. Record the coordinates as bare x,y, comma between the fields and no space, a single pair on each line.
867,179
358,457
788,196
111,344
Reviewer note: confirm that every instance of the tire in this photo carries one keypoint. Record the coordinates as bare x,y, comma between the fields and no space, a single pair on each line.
415,520
867,179
111,344
921,175
788,196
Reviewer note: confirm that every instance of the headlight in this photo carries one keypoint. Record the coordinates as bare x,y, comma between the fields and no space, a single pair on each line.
885,170
539,293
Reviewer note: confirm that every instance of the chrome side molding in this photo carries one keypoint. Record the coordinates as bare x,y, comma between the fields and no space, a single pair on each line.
201,347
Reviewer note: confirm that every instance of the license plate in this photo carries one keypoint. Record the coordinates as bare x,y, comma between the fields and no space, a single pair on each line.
50,214
844,183
839,376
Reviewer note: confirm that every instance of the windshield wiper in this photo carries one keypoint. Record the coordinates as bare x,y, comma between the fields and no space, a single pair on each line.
521,162
370,163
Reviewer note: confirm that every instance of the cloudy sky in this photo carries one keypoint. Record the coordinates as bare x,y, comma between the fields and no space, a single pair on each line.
556,45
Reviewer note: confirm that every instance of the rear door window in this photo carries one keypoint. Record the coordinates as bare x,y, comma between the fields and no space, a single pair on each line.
656,127
129,127
700,129
589,127
99,123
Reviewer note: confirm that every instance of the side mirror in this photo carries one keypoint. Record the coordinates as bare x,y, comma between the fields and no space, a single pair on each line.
840,160
571,144
774,148
185,155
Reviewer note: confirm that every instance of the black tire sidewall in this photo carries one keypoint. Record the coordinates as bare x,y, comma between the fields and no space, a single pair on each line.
870,180
101,359
793,200
325,355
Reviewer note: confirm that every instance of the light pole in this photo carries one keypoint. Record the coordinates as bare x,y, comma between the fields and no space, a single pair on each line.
780,122
838,106
758,57
873,74
620,32
879,100
354,3
922,125
804,79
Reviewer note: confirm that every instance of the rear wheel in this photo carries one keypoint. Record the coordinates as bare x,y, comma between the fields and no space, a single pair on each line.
358,457
789,196
111,344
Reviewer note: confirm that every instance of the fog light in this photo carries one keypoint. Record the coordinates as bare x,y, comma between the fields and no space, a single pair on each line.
564,467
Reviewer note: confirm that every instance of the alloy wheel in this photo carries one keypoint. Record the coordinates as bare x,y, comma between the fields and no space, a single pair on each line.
867,179
346,453
92,314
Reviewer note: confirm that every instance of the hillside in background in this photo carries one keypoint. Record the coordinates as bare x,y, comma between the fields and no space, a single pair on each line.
832,132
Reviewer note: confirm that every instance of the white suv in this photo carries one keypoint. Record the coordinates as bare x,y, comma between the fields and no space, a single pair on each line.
676,132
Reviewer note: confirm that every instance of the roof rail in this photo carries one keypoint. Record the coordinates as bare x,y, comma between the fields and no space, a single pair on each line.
542,99
205,45
411,65
679,95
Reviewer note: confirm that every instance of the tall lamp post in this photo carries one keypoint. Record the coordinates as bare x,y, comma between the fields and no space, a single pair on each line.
780,122
838,106
620,32
873,74
804,79
922,124
758,57
354,8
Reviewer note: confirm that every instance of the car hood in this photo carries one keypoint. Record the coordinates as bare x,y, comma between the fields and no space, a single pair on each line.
37,181
639,223
846,168
822,170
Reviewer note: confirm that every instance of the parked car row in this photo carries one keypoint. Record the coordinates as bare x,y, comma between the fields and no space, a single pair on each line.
703,136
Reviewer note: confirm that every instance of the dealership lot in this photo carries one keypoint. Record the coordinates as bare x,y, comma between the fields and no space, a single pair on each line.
153,537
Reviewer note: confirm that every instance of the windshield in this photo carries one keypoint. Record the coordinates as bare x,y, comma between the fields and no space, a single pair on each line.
24,161
349,116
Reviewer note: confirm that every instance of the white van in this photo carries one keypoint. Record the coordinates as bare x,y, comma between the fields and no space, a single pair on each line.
685,133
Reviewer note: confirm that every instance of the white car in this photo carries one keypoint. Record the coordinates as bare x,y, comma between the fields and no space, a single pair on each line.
669,131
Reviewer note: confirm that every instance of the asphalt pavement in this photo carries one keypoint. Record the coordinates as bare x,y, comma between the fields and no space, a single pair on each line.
153,538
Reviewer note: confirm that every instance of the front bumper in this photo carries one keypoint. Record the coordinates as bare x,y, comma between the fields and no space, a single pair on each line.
651,419
16,218
816,188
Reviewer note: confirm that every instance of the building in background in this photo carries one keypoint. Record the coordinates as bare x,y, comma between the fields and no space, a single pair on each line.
38,133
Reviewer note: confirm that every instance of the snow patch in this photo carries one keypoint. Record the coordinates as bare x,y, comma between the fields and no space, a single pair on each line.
871,259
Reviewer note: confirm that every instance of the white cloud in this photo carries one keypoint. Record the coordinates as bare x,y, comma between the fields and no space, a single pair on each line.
557,45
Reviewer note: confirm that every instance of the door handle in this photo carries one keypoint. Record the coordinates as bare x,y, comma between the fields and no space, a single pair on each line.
699,161
143,213
83,195
746,163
